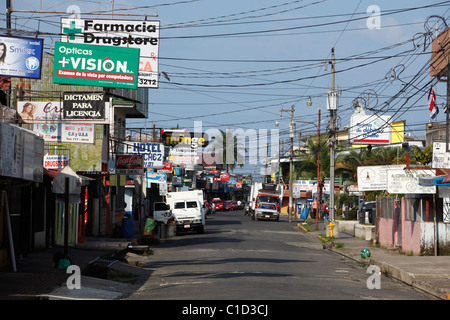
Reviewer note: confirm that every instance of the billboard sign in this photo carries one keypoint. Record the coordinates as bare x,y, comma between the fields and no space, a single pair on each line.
21,57
52,112
92,65
143,35
369,129
371,178
66,133
184,139
401,181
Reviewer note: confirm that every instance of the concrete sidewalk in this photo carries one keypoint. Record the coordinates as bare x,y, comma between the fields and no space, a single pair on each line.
38,278
427,273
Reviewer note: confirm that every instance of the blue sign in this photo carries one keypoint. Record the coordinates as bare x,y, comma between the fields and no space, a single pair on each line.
21,57
153,153
155,177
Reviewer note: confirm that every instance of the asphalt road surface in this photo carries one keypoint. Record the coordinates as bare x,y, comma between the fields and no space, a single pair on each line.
241,259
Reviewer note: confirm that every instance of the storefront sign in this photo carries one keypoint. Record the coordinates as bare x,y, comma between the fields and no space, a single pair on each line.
83,106
155,177
143,35
21,57
92,65
56,161
129,164
153,153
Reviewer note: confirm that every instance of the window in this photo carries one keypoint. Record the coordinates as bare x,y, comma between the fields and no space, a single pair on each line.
179,205
191,204
268,206
267,199
161,206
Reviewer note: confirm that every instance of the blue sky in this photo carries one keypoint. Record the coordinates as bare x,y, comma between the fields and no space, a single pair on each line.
235,64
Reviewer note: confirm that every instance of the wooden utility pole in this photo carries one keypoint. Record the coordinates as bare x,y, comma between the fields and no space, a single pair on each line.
332,105
291,156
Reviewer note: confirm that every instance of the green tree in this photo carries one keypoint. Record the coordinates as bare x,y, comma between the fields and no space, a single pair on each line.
422,157
305,166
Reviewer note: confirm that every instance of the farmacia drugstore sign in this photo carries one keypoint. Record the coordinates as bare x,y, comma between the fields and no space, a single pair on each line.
93,65
143,35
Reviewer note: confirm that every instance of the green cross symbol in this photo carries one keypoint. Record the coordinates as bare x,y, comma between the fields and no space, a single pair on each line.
72,30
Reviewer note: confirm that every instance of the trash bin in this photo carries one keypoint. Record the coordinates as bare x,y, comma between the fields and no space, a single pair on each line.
127,226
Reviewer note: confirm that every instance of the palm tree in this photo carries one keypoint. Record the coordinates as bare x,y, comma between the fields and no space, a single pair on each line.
306,165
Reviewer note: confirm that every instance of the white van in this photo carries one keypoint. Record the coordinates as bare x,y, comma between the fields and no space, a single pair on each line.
187,210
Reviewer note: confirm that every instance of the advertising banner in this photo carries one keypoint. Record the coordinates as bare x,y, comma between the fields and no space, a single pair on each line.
93,65
46,112
143,35
83,106
155,177
21,57
66,133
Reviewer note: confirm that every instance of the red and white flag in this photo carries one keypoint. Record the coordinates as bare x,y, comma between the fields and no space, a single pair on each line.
434,110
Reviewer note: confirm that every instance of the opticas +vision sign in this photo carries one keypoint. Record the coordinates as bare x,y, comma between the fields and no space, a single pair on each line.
92,65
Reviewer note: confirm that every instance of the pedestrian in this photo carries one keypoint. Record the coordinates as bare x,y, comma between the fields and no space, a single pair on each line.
324,208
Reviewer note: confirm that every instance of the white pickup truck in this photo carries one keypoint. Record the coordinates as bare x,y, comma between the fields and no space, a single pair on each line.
185,207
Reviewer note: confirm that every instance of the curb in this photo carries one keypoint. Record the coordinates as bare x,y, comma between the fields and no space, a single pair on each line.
393,272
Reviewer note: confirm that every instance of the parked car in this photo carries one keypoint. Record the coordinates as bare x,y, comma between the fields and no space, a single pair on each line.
218,204
228,205
367,212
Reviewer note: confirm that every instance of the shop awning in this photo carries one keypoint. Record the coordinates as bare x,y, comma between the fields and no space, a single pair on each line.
435,181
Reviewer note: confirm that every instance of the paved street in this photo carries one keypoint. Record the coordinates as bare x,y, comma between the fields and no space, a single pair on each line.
237,258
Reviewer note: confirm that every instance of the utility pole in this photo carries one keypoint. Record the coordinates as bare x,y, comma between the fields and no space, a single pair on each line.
318,174
332,106
8,17
291,156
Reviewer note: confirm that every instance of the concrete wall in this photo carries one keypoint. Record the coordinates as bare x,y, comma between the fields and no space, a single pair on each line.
387,232
411,237
427,238
346,226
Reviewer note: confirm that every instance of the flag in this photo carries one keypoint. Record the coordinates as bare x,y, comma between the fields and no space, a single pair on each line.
434,110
